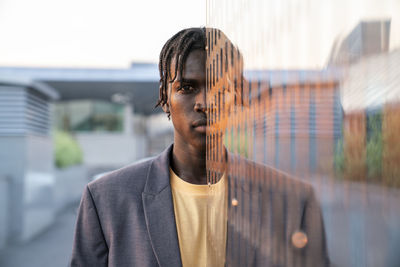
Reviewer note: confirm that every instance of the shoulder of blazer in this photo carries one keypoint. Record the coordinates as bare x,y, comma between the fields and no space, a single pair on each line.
131,178
268,177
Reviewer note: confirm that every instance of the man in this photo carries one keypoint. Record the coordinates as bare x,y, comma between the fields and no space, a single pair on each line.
159,213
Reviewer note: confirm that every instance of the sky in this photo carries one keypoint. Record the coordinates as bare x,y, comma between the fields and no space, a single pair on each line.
91,33
113,34
296,34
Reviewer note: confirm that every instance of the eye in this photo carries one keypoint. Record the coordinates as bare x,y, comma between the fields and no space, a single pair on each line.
186,88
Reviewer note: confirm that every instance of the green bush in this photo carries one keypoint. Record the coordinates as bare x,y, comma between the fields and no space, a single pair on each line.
339,159
374,147
345,166
232,141
67,150
374,156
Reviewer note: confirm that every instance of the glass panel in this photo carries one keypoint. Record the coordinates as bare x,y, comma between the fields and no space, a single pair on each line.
305,97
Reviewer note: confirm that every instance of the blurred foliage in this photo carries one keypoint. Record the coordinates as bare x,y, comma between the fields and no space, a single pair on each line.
374,147
67,150
237,142
373,155
339,159
355,156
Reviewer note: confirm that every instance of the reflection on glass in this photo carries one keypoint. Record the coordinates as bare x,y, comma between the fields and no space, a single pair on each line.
306,91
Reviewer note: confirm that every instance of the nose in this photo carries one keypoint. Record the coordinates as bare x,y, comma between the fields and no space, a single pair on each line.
200,105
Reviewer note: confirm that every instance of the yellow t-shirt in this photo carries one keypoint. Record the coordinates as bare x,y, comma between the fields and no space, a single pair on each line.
200,214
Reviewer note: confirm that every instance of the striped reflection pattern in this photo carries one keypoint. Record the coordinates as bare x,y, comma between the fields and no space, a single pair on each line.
272,218
310,151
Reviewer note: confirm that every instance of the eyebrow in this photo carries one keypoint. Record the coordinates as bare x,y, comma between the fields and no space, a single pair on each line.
189,80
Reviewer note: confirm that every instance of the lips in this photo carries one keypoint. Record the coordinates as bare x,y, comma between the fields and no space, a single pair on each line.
199,122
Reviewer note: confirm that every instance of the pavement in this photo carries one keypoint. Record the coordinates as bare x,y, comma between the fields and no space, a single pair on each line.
361,222
51,248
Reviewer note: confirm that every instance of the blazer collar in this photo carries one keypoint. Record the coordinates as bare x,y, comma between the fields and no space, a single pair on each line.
159,212
158,174
160,217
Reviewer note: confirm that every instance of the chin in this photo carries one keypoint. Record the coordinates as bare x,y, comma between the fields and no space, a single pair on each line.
200,143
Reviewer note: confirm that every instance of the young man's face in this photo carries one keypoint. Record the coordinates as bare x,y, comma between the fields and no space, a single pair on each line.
187,101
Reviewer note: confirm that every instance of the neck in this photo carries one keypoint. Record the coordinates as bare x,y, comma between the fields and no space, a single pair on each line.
189,162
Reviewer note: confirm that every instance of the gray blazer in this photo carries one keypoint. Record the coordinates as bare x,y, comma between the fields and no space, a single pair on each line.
127,219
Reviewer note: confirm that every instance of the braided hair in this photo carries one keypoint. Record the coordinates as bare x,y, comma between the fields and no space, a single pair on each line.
177,48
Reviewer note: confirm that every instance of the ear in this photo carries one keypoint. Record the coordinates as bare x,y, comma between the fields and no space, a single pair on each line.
165,107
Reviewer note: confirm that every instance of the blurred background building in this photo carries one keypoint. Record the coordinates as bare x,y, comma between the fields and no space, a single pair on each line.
26,168
110,114
73,106
367,38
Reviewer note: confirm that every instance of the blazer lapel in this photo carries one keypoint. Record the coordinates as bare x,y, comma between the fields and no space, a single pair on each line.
159,212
